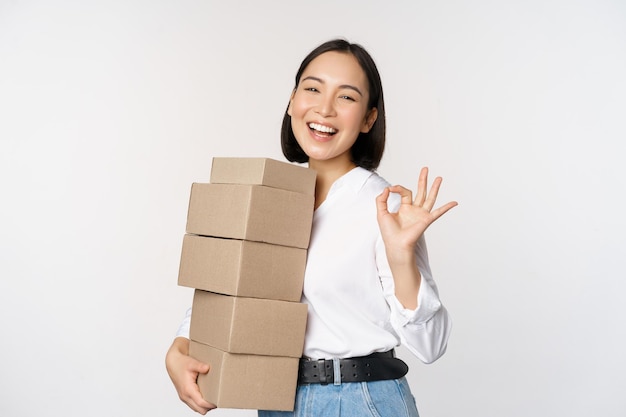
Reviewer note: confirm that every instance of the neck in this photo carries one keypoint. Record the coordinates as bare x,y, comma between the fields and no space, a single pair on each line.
327,173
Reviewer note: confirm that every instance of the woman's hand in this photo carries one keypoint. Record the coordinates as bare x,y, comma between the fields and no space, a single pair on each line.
401,230
183,371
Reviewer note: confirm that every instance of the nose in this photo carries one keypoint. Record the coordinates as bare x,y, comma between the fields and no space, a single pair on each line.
326,106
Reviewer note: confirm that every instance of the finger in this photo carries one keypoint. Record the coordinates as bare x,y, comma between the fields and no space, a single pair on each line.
197,366
199,404
406,195
431,198
381,202
194,398
443,209
422,183
203,407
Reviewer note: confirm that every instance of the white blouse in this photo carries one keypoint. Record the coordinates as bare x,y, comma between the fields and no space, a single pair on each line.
348,285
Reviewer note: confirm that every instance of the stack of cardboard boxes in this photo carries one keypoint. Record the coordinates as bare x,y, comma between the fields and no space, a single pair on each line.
245,253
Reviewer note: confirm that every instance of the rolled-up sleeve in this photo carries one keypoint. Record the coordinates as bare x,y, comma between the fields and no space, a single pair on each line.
425,330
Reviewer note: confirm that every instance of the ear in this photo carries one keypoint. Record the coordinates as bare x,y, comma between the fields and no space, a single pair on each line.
370,119
293,93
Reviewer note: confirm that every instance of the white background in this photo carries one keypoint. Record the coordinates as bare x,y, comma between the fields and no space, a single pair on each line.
110,110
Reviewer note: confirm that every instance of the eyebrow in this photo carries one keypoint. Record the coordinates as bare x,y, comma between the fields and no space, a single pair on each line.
351,87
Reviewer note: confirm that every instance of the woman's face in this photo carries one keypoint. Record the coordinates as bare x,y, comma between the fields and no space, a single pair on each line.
329,107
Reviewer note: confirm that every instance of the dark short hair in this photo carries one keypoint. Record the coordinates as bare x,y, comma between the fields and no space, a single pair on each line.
368,149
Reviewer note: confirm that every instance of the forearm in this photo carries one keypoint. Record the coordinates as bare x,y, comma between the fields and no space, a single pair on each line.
180,345
178,350
406,276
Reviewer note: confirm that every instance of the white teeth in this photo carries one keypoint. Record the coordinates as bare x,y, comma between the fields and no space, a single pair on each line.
320,128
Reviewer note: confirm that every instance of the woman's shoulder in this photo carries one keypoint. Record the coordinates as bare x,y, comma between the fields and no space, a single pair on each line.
375,184
373,181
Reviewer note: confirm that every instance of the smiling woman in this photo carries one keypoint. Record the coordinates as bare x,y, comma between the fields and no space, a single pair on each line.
380,290
367,151
329,110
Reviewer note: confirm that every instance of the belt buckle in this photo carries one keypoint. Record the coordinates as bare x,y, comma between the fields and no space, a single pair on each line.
325,377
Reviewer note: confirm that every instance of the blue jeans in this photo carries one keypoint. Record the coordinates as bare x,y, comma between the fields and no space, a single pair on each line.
391,398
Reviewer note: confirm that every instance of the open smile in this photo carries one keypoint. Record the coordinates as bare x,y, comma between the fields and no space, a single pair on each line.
321,129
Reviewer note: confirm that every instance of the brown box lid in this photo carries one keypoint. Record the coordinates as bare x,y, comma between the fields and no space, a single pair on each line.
263,171
248,325
251,212
243,268
247,381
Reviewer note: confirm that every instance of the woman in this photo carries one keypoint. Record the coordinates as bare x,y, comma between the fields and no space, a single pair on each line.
367,283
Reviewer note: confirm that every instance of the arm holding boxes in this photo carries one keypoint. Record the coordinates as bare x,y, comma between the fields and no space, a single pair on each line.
184,371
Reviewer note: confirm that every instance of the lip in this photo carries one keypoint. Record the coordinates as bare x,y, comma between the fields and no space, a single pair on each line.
319,138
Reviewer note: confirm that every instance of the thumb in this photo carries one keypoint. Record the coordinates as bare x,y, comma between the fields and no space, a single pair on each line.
199,367
381,201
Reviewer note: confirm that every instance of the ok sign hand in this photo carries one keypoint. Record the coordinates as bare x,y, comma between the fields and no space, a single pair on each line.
401,230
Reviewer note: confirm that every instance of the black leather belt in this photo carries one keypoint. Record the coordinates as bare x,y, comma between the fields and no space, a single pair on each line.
374,367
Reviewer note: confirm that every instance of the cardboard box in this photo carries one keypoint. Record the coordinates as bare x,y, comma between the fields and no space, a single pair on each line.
242,268
247,381
251,212
263,171
248,325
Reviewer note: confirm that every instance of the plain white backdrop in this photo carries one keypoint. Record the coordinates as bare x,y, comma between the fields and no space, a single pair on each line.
110,110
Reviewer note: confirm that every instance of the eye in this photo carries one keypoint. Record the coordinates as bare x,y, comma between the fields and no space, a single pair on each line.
312,89
347,98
